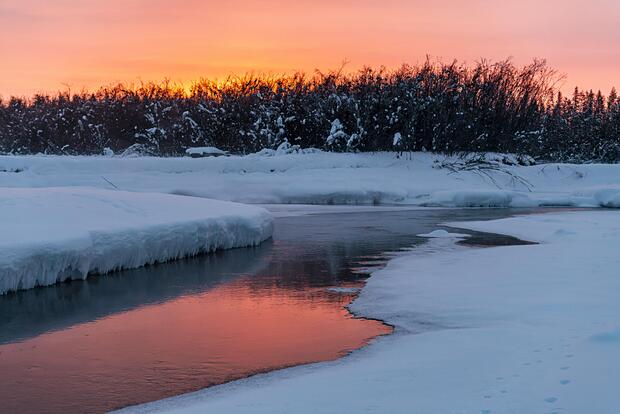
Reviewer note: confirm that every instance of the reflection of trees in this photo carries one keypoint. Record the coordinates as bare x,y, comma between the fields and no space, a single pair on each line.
28,313
329,249
318,266
304,270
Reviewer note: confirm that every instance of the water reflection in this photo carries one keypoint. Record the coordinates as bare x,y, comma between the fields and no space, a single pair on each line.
28,313
149,333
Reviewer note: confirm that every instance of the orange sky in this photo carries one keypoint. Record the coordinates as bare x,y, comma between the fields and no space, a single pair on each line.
46,44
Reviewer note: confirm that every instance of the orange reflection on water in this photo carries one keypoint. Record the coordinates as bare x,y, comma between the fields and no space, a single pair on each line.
182,345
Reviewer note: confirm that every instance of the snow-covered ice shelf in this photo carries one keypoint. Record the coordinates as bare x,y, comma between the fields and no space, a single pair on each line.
53,234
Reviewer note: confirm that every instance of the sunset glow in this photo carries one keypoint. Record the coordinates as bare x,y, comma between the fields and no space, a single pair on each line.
49,46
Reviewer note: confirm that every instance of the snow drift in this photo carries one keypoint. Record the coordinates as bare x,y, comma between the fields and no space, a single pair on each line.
55,234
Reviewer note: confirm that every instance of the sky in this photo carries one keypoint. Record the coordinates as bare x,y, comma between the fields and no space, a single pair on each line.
47,46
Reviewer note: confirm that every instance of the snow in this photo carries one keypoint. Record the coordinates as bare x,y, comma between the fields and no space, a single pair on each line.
295,210
608,197
134,151
512,329
480,198
343,290
205,151
398,138
336,133
293,175
284,148
443,234
53,234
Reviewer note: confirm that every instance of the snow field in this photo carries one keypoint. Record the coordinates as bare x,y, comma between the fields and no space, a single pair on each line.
315,177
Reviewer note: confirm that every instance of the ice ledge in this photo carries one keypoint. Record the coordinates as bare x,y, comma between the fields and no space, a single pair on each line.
53,234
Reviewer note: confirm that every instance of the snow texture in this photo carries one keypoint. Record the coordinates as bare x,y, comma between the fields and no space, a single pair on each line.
344,290
398,138
513,329
443,234
309,176
54,234
205,151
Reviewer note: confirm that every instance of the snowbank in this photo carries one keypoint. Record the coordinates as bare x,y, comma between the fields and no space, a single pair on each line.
291,175
54,234
517,329
605,197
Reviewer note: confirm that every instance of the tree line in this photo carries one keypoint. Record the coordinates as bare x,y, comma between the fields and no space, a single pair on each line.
435,106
